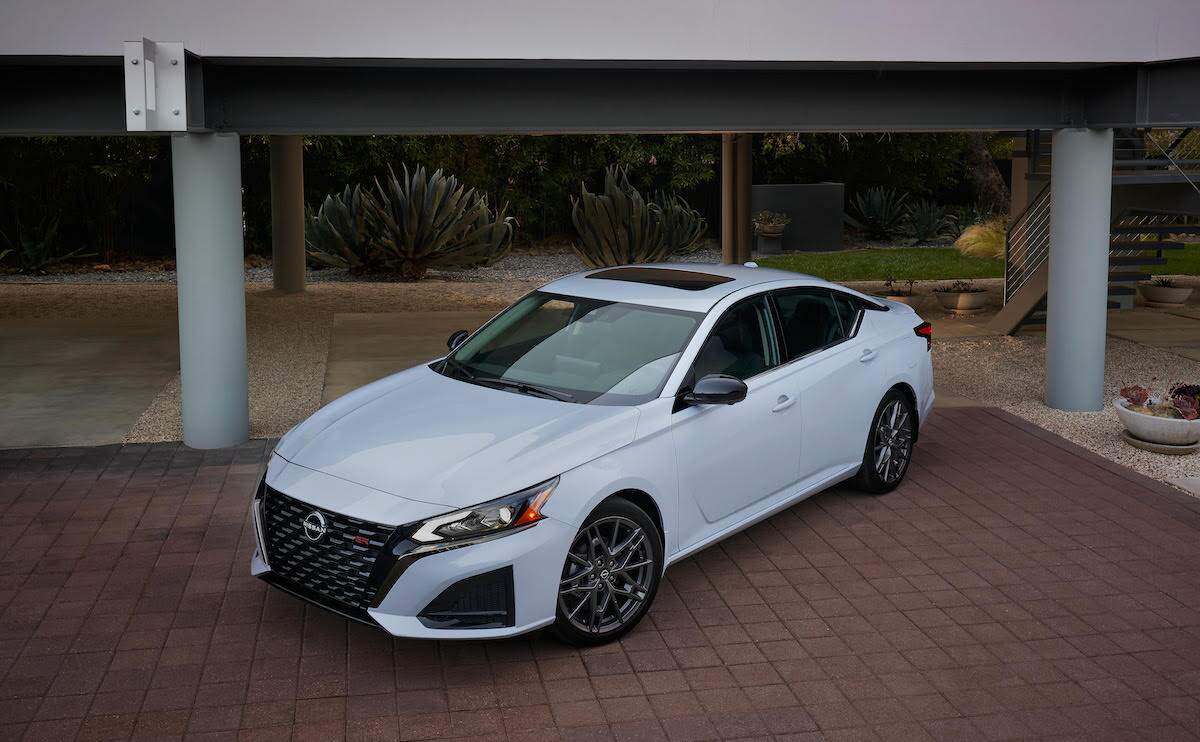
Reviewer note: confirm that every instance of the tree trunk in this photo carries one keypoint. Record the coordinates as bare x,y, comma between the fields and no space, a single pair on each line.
986,181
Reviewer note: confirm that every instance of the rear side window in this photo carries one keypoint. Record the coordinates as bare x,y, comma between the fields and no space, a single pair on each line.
810,320
849,309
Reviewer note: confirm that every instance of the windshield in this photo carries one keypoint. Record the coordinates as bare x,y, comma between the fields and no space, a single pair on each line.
575,349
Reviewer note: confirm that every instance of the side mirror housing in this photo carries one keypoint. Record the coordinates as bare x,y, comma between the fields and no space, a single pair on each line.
456,339
716,389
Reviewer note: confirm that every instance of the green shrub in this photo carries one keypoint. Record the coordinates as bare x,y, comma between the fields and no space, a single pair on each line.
927,221
339,234
879,212
409,225
983,240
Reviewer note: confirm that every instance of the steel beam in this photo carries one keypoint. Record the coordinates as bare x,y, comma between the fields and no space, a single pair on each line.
85,96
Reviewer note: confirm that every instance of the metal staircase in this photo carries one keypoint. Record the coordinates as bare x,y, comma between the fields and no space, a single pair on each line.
1139,236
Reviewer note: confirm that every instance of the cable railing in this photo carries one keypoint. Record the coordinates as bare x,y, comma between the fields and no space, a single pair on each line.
1135,151
1027,244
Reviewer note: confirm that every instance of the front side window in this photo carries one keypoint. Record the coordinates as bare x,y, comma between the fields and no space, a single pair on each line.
810,321
576,349
741,344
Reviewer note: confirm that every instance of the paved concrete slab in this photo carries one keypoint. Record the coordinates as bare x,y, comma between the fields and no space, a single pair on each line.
366,347
1015,586
80,382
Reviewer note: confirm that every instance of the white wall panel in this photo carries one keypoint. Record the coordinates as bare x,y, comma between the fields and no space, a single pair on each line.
733,30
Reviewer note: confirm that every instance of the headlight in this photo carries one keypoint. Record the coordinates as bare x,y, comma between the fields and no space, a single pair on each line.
520,509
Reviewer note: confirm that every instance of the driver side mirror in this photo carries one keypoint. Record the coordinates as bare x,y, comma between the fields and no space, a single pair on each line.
456,339
716,389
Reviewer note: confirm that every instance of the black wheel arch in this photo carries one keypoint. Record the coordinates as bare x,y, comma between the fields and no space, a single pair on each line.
911,396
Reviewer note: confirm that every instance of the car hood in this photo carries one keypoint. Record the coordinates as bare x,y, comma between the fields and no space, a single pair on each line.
427,437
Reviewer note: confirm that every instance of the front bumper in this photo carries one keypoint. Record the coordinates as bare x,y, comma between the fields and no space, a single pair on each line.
411,576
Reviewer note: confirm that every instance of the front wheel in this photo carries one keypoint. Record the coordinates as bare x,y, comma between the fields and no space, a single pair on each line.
610,576
889,445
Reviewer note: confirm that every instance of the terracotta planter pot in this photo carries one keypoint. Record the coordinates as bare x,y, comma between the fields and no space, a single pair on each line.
961,301
1161,430
1167,296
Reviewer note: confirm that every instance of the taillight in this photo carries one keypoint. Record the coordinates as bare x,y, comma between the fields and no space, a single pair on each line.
925,330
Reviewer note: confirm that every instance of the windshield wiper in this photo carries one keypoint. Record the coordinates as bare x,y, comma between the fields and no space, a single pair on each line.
525,388
460,367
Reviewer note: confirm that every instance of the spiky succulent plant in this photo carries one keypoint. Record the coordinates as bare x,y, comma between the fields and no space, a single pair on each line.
617,226
339,234
422,221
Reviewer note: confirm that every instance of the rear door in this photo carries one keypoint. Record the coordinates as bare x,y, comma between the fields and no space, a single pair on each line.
828,342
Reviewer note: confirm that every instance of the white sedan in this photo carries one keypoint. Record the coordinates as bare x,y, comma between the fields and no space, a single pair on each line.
549,469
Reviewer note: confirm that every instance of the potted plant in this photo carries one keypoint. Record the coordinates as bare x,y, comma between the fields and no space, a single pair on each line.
769,226
901,291
1163,292
961,297
1172,419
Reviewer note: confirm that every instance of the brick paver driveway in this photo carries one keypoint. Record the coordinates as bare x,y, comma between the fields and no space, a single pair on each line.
1015,586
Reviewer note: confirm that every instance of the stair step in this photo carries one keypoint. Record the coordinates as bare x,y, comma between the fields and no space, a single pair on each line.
1145,245
1156,229
1117,260
1118,290
1127,276
1114,305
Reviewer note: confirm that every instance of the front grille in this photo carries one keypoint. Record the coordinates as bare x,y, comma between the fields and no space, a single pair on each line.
337,567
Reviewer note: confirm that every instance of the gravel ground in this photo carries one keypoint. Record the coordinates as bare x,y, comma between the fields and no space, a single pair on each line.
288,339
1009,372
287,335
540,266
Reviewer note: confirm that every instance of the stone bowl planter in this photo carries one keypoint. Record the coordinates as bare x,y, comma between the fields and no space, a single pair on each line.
1164,296
910,299
1161,430
962,302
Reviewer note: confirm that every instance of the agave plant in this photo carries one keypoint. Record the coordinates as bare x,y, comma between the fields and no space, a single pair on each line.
682,226
423,221
617,226
880,212
926,221
339,235
35,252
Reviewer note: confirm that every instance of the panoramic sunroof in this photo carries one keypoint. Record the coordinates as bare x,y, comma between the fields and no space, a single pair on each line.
669,277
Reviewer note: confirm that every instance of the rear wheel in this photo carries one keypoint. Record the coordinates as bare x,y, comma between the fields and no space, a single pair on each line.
889,444
610,576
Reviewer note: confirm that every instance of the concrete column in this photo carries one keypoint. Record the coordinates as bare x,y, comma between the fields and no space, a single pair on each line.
728,207
1077,295
207,177
745,178
287,212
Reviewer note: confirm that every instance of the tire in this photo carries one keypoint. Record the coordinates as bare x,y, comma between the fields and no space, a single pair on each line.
878,476
597,601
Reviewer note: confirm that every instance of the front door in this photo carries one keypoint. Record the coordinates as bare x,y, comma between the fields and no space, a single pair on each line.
732,457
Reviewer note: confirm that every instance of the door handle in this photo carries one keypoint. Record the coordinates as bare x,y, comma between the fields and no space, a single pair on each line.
868,354
783,403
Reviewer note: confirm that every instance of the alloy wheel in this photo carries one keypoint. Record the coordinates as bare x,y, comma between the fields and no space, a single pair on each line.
607,576
893,441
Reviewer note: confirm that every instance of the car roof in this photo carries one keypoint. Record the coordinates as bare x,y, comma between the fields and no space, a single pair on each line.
691,287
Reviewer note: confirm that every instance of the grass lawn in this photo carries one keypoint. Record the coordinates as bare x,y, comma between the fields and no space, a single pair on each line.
1185,262
879,264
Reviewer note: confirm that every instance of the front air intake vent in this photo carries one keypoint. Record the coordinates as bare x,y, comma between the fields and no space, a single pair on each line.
481,602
